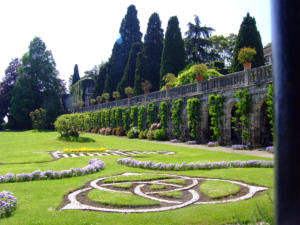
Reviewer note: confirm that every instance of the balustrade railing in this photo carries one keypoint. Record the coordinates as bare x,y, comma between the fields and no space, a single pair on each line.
254,76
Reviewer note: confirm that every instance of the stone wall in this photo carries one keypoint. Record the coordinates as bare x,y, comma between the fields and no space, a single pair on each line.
256,81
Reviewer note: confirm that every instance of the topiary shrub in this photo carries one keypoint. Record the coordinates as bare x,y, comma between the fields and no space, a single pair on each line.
160,135
193,112
68,125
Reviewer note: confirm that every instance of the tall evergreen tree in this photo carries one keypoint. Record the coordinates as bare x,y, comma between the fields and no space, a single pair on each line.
37,87
129,34
129,71
75,76
6,86
197,42
139,71
173,56
248,36
100,80
153,45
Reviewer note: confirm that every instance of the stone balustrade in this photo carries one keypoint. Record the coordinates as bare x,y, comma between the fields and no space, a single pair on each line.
255,76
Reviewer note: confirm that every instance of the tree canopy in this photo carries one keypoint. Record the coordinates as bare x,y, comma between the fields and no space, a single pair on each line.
197,42
37,87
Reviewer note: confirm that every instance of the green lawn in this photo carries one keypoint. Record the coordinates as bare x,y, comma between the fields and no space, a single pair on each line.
119,199
173,194
38,200
218,189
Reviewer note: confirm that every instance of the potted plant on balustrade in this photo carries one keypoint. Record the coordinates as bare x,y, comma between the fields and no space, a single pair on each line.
129,92
116,95
200,71
80,104
246,57
93,101
106,96
99,99
169,80
146,86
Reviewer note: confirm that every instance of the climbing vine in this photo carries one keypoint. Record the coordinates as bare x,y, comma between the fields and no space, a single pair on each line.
270,108
125,118
133,116
107,117
112,118
176,116
151,114
163,114
141,117
216,113
118,117
242,111
194,118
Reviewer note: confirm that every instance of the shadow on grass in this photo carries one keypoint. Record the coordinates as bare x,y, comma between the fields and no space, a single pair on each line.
76,139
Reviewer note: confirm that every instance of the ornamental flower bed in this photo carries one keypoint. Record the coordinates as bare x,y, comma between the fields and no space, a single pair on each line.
270,149
194,166
84,150
212,144
8,203
240,147
94,166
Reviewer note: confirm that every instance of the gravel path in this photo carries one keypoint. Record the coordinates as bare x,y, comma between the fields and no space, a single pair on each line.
255,152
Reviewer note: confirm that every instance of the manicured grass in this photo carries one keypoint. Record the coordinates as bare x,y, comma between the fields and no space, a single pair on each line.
173,194
120,199
157,186
124,185
175,181
218,189
134,178
38,200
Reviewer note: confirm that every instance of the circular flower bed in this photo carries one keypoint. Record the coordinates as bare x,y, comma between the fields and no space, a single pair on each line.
270,149
95,165
8,203
194,166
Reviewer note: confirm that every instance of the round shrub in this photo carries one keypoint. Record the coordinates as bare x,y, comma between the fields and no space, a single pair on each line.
160,135
143,134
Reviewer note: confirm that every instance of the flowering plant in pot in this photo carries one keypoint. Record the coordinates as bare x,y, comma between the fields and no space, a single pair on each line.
116,95
129,91
93,101
246,57
169,79
146,86
200,71
99,99
106,96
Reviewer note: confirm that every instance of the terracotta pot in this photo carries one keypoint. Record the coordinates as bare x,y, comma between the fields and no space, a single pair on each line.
130,96
117,98
247,65
146,91
168,86
199,78
106,101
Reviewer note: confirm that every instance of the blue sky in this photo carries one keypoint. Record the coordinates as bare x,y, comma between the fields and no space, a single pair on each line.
83,31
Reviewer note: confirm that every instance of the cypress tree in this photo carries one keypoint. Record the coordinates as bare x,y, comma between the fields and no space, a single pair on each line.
248,36
76,76
129,71
172,60
129,34
100,80
153,45
139,71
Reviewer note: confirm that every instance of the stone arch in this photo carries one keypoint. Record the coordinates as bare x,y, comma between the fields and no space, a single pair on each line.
261,129
226,137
